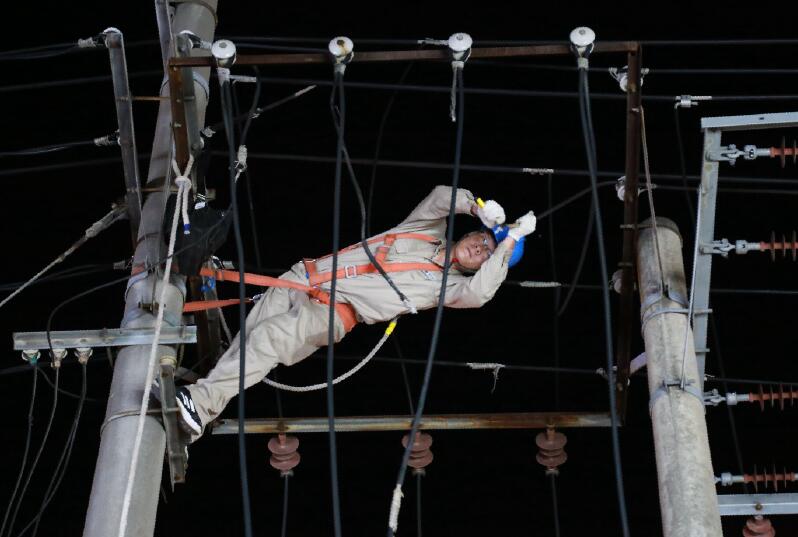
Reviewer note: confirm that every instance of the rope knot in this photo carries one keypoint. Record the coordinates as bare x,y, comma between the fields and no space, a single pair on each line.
183,182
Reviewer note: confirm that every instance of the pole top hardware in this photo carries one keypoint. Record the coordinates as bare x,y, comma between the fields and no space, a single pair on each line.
224,52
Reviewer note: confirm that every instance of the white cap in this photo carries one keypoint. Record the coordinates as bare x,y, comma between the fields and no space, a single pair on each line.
224,51
582,37
460,42
341,46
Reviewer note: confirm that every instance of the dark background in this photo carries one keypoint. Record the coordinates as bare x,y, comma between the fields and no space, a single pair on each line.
480,482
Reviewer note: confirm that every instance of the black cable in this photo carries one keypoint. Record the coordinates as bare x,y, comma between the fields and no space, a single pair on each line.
589,138
378,145
36,458
25,452
405,378
336,232
45,149
712,320
580,263
73,272
338,122
419,475
66,392
555,329
63,461
554,504
284,525
422,398
242,453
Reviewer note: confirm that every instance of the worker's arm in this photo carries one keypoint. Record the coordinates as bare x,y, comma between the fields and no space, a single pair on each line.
436,205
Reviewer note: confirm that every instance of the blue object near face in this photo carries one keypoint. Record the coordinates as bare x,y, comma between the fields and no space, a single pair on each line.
500,233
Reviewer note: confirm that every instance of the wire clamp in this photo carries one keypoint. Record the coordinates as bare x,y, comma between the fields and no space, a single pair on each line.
685,386
460,49
342,50
31,356
721,247
108,139
188,40
58,355
688,101
621,75
83,354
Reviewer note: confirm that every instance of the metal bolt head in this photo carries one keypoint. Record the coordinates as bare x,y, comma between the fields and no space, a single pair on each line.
460,42
582,37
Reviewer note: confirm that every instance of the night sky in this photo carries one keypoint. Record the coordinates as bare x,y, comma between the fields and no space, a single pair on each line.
481,482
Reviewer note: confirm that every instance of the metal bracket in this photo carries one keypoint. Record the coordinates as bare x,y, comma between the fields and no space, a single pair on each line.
176,441
664,389
107,337
721,247
758,504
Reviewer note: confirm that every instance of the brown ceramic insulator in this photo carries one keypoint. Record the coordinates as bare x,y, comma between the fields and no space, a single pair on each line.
783,152
758,527
284,452
784,246
770,479
551,453
420,454
782,395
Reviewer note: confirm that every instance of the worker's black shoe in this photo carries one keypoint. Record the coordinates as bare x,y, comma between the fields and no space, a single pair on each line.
188,412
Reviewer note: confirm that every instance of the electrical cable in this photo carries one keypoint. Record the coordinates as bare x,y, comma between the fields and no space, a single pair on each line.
45,149
100,225
38,455
284,524
74,272
63,461
378,145
589,139
397,494
405,378
554,503
580,263
419,475
227,113
555,329
66,392
26,450
336,232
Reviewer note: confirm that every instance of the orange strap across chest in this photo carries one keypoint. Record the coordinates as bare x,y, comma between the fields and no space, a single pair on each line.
352,271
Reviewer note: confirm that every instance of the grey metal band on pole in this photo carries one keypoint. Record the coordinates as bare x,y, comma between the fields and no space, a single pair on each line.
688,500
114,458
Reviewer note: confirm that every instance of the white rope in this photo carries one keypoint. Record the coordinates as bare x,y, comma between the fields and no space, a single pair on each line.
91,232
323,385
145,397
183,182
396,504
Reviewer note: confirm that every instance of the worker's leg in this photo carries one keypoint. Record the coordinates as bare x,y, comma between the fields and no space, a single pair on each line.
285,338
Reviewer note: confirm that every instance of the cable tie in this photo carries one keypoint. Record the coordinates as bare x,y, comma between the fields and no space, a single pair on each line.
537,171
108,139
489,366
539,285
89,42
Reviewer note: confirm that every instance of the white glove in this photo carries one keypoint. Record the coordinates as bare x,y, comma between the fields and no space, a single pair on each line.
523,226
491,214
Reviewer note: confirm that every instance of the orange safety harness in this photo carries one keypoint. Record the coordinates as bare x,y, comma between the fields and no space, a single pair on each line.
315,279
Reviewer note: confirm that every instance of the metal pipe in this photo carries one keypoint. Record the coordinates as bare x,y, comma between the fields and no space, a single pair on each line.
115,43
511,420
688,500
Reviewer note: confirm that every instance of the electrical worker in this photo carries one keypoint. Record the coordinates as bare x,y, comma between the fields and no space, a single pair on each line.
287,324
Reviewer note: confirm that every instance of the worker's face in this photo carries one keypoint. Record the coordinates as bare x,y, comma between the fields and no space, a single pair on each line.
474,249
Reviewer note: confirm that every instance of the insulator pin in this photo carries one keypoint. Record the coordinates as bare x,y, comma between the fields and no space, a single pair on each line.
758,526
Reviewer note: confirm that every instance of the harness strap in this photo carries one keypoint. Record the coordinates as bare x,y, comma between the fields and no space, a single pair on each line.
352,271
388,239
345,311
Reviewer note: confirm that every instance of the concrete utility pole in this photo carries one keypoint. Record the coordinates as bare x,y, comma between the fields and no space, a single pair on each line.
130,371
687,494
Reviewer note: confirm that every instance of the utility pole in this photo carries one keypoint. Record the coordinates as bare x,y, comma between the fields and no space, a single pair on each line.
688,500
143,291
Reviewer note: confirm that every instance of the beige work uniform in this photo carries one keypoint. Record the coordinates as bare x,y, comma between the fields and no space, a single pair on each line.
286,326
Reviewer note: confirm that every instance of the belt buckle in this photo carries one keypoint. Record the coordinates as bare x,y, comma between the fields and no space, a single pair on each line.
350,273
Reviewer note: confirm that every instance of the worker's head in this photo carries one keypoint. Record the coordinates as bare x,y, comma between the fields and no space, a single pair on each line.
473,249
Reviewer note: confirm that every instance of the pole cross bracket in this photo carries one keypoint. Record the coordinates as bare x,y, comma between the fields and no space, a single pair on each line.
665,387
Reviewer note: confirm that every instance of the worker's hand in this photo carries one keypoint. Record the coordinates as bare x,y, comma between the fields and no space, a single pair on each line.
523,226
491,214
